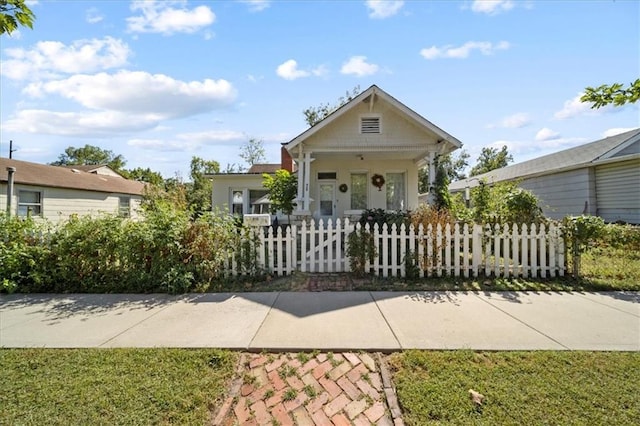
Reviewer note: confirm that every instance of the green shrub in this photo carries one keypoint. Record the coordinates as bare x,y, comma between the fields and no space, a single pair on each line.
379,217
361,250
167,251
23,248
580,232
86,255
505,202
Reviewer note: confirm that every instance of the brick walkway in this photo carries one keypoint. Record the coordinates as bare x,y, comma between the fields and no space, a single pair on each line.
311,389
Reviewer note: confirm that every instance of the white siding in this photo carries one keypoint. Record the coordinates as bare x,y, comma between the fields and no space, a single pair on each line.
562,194
60,203
618,188
347,164
345,131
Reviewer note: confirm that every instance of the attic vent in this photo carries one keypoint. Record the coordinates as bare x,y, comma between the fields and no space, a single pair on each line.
370,125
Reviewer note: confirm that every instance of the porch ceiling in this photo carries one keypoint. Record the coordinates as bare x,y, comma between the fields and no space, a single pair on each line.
375,153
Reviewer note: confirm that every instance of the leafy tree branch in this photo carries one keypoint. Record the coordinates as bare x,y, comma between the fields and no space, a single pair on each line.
612,94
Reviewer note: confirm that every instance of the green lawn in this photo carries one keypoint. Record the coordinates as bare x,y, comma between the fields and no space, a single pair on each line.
586,388
112,386
611,268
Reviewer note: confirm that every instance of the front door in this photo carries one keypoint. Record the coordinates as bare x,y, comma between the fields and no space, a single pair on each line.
327,205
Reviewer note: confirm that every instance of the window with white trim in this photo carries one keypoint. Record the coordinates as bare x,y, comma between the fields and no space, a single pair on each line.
396,191
124,206
370,125
359,193
237,202
29,203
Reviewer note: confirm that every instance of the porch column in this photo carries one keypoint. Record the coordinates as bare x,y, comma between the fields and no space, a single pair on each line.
306,203
300,178
432,177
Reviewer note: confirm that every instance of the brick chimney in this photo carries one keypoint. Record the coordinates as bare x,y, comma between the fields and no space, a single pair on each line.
286,162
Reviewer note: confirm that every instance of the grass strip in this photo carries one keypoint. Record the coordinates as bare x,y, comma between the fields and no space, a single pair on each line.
112,386
546,387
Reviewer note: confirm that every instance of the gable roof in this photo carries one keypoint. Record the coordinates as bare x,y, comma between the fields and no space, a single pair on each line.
572,158
93,168
63,177
375,91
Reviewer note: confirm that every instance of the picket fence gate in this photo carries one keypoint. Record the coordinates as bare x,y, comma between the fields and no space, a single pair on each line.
528,251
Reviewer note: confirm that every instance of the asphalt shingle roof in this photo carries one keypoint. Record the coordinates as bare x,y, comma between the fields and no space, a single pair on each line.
62,177
568,158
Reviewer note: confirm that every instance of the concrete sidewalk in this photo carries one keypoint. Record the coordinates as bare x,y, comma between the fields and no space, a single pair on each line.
336,321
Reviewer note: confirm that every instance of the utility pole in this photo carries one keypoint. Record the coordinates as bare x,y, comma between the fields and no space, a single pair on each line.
11,150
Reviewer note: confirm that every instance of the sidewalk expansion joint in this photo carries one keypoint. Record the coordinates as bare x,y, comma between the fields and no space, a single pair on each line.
521,321
607,305
386,321
135,325
250,345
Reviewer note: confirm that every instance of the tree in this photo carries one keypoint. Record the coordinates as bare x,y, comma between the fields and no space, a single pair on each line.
614,94
199,190
491,159
14,13
314,115
252,152
145,175
283,188
90,155
454,164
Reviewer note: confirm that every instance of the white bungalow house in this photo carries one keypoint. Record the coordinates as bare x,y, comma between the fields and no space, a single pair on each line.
600,178
55,193
364,155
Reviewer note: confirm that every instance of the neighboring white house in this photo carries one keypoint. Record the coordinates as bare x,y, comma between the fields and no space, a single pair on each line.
599,178
55,193
364,155
242,193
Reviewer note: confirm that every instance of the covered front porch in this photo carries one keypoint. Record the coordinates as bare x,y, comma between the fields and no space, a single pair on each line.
343,184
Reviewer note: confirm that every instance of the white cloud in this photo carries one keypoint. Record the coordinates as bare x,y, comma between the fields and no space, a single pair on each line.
289,70
492,7
168,17
49,59
524,150
381,9
516,121
359,66
93,16
616,131
79,124
118,103
189,141
320,71
138,92
546,134
257,5
461,52
574,108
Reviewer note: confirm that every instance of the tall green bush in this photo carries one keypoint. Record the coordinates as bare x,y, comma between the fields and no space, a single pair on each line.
22,250
580,232
504,202
166,251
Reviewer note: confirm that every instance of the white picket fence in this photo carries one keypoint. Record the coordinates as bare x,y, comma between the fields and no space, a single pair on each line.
459,250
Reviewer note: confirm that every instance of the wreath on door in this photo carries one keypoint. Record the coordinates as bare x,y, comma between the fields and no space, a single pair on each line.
343,187
377,181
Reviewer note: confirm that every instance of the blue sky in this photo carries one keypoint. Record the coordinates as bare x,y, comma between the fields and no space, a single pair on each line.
162,81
